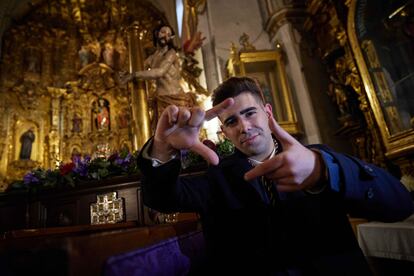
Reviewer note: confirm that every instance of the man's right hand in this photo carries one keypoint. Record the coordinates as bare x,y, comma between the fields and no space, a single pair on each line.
179,127
125,77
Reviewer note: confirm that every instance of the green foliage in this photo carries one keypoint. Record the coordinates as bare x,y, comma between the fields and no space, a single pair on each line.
225,148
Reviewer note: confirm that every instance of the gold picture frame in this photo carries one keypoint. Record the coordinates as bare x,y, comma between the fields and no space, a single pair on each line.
268,69
366,40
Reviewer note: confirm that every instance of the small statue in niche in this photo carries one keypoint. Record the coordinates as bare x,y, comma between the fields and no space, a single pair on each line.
84,55
120,53
77,123
26,141
101,111
245,43
338,93
108,54
341,99
89,52
32,60
123,118
95,50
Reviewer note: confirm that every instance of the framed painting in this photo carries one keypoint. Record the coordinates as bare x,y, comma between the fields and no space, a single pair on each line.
268,69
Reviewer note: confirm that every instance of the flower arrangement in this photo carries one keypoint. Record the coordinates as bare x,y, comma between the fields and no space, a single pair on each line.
78,171
83,169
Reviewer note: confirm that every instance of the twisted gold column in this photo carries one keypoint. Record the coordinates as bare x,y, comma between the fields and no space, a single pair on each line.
140,113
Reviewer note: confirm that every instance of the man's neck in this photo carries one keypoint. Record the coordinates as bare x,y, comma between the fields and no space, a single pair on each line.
256,161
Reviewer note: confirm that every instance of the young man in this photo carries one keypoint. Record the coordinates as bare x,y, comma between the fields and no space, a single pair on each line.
298,225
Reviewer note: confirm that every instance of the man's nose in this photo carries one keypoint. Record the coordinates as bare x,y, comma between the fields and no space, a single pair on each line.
244,125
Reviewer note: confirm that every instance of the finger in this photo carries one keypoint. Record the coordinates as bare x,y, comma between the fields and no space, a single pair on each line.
165,124
208,154
266,167
197,117
183,116
172,112
218,109
280,173
280,133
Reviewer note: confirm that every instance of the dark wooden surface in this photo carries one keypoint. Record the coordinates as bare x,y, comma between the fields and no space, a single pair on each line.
49,233
78,250
67,207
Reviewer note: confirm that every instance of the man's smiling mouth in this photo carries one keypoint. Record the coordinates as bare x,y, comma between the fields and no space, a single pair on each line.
249,139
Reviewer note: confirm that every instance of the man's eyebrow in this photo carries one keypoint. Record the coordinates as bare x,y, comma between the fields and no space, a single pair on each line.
247,110
241,113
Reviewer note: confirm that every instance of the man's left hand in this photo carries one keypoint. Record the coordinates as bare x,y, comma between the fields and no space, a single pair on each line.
295,168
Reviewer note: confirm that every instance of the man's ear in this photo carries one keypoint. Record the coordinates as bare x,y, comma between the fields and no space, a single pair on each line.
268,109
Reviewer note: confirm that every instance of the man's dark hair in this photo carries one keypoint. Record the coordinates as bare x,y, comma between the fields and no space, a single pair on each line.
234,86
155,33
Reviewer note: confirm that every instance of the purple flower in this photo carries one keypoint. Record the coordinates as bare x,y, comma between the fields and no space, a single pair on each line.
86,159
30,178
119,161
81,166
76,159
128,158
81,169
123,162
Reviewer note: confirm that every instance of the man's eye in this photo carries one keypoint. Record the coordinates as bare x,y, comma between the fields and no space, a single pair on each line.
250,113
230,123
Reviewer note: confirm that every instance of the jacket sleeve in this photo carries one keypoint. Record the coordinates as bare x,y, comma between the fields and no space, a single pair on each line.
166,191
368,191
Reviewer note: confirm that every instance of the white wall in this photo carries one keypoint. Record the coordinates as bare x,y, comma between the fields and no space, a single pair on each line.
290,40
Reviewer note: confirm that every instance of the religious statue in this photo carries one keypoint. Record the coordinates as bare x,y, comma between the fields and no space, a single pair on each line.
339,95
121,52
84,55
33,60
77,123
89,52
26,141
165,69
108,54
101,111
245,43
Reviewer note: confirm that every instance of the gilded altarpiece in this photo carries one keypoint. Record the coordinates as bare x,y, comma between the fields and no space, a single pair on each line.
345,88
381,34
60,87
367,48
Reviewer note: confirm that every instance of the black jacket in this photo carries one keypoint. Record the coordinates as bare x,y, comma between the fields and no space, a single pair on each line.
304,233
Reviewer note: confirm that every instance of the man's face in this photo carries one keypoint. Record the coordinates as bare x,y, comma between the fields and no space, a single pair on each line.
164,36
245,123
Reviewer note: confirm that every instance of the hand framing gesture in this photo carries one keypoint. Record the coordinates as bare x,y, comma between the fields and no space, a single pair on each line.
179,127
296,168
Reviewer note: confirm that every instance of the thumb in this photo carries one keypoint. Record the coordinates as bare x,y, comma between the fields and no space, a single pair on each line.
208,154
280,134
